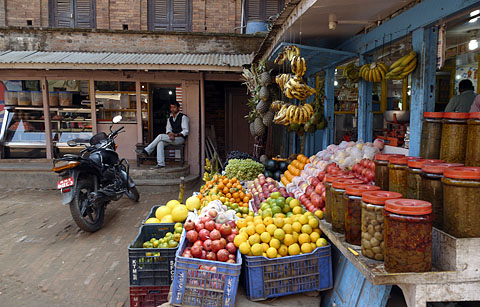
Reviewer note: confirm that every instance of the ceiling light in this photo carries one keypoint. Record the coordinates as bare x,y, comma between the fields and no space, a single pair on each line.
473,20
458,77
335,83
336,71
170,92
473,13
473,44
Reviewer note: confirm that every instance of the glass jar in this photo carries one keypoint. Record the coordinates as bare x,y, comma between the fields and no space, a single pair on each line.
461,205
454,137
431,135
338,208
372,222
397,174
328,194
408,235
353,211
472,156
413,176
381,170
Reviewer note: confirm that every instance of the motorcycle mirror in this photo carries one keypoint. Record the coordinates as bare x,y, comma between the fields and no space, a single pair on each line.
117,119
71,143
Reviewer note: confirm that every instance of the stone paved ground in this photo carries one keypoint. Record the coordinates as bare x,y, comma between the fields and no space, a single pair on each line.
45,260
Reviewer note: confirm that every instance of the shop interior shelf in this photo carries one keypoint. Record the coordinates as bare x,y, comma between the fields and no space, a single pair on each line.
443,244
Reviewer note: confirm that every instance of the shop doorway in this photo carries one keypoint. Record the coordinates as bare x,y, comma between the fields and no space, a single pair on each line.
160,97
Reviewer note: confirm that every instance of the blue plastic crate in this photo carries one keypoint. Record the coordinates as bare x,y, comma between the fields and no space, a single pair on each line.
265,278
146,268
195,285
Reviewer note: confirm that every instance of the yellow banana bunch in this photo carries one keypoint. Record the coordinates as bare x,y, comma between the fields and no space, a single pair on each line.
374,72
296,88
403,66
298,66
352,73
281,80
276,105
287,54
292,114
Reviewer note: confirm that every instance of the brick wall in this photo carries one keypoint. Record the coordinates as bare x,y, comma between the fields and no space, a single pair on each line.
19,11
125,12
2,13
132,41
216,16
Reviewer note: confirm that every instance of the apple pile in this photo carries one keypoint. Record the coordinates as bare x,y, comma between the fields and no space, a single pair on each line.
313,198
261,189
364,170
210,241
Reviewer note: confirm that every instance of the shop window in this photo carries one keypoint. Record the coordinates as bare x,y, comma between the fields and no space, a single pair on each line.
170,15
261,10
72,13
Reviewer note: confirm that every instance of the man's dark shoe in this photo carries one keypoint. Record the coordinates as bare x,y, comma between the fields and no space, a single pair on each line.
158,167
141,152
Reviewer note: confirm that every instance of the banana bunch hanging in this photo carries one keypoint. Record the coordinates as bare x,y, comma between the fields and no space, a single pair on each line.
298,66
293,114
296,88
403,67
287,54
352,73
282,79
374,72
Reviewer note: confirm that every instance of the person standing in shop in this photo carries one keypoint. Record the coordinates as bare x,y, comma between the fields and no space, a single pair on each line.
463,101
476,104
177,131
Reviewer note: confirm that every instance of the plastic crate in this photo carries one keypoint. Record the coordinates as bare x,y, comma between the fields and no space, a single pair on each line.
200,282
148,296
152,214
264,278
151,270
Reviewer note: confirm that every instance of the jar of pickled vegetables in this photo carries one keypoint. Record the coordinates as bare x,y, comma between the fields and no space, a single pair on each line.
408,235
454,137
413,176
431,188
372,222
472,157
381,170
338,208
328,194
353,211
397,174
461,205
431,135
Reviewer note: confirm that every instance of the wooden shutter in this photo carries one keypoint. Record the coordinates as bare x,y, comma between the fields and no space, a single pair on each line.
63,13
84,14
159,14
272,7
254,10
170,15
180,12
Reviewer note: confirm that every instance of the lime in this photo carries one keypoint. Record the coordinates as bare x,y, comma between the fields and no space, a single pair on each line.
172,243
289,199
286,209
178,229
276,209
244,210
275,195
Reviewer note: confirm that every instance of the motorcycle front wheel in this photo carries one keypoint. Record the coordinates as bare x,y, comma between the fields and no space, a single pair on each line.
87,215
132,193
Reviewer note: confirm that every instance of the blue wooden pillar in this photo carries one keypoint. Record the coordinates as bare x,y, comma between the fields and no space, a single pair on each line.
329,102
424,42
365,114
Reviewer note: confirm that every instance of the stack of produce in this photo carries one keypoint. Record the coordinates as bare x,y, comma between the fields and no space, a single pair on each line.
364,170
294,169
243,170
262,188
275,169
235,154
170,240
172,212
229,192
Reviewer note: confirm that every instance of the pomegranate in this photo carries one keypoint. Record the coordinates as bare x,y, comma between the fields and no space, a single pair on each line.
204,219
204,234
235,231
199,227
198,242
232,223
207,245
212,213
232,256
192,236
218,226
231,261
211,256
231,248
215,234
196,251
225,230
223,241
231,237
204,254
210,225
189,225
216,245
222,255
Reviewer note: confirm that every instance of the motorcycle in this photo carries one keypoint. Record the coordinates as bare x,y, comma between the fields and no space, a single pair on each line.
91,180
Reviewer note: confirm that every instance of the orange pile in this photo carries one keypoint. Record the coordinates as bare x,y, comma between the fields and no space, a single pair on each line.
294,169
228,191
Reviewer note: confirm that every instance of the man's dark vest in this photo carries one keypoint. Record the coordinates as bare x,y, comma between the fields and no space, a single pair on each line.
177,123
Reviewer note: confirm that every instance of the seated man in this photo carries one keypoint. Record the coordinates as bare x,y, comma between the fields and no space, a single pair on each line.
177,131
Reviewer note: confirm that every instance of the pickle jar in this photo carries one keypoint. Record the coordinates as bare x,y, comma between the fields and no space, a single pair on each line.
338,208
431,135
461,205
372,222
431,188
408,235
454,137
381,170
397,174
472,156
413,176
328,194
353,211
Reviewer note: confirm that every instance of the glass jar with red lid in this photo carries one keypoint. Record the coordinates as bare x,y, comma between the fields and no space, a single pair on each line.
431,188
338,208
381,170
353,211
328,194
408,235
472,155
431,135
454,137
413,176
372,222
397,174
461,201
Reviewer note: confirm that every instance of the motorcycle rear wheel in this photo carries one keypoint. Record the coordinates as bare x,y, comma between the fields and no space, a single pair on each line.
89,217
133,192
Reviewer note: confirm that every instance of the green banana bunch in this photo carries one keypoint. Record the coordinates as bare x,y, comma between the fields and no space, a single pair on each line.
403,66
352,73
374,72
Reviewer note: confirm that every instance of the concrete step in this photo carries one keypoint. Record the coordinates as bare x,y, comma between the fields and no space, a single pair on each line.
165,185
169,172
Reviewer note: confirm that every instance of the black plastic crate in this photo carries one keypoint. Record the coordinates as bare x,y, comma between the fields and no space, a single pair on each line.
152,214
147,268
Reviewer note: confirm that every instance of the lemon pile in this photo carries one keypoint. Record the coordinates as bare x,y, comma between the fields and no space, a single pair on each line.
172,212
280,236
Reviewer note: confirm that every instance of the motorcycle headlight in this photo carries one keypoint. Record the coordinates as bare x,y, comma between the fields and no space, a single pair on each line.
63,165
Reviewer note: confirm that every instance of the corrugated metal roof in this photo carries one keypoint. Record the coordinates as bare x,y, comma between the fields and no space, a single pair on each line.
110,58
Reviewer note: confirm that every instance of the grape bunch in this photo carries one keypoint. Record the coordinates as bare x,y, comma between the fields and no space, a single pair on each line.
243,170
235,154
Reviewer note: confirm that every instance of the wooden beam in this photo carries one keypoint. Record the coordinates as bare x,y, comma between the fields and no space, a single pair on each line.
46,118
365,114
202,124
404,93
139,112
212,76
93,105
329,107
384,95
